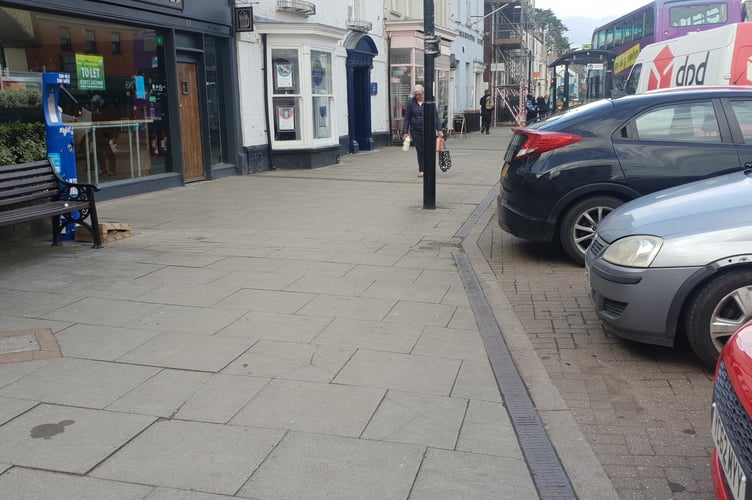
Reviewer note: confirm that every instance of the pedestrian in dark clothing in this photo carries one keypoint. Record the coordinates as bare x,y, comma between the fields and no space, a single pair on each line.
487,106
531,114
542,107
413,124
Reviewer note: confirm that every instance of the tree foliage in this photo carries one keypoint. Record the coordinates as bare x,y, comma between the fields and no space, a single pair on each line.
552,30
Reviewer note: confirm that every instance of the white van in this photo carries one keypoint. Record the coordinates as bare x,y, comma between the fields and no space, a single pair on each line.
720,56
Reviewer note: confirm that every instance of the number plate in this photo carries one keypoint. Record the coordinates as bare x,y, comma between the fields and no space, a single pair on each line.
735,476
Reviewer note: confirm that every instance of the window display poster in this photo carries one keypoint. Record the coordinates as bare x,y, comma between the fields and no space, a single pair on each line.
286,118
90,72
284,75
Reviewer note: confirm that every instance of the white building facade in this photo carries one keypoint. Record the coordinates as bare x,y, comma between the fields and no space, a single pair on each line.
321,79
467,63
312,81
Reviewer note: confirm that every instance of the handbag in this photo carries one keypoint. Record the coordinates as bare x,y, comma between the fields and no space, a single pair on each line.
445,160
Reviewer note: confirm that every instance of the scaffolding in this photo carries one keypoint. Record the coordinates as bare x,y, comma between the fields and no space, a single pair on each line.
509,28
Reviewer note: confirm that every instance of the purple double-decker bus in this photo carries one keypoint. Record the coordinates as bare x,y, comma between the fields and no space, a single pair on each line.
657,21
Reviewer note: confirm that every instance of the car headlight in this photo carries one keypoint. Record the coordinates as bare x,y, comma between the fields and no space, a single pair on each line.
633,251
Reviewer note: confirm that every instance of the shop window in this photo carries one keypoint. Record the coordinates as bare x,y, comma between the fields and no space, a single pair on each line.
321,85
214,98
286,100
116,105
116,49
91,41
65,39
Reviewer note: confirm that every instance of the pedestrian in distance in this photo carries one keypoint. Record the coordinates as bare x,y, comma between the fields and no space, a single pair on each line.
487,106
530,114
412,125
542,106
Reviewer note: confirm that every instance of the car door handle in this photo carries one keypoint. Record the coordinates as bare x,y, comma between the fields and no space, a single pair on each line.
748,164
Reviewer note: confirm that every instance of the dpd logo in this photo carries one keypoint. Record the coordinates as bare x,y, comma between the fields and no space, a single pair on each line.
660,72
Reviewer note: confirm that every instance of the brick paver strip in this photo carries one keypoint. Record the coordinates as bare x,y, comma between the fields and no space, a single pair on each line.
46,346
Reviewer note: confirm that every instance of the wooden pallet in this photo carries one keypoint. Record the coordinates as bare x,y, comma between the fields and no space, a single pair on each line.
109,231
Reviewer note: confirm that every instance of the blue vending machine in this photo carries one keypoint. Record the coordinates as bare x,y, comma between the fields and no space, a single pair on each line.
59,135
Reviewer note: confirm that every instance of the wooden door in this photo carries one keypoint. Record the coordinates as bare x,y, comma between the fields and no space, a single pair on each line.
190,122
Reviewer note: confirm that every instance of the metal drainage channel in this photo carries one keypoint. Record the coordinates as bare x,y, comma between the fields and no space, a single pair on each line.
548,474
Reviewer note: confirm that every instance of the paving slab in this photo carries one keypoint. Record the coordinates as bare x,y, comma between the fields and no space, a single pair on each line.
319,408
449,475
103,312
348,307
162,395
266,301
374,335
188,351
450,343
487,430
11,407
276,326
405,372
104,343
317,467
65,438
27,484
187,319
78,382
175,494
476,380
421,419
191,455
220,398
200,296
406,311
36,304
291,360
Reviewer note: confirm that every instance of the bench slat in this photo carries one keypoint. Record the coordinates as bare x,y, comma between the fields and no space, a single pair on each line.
36,212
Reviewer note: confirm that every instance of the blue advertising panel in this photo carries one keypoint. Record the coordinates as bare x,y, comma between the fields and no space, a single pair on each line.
59,135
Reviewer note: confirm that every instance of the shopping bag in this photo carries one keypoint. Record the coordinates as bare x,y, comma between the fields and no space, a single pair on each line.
445,160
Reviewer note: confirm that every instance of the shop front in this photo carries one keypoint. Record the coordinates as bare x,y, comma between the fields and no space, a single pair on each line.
406,70
151,100
305,72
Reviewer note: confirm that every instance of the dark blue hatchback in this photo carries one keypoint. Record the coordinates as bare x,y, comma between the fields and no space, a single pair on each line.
562,176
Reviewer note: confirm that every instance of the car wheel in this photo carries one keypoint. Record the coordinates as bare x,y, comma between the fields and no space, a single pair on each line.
716,311
577,228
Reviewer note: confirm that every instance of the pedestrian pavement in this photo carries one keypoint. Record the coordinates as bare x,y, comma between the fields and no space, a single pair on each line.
291,334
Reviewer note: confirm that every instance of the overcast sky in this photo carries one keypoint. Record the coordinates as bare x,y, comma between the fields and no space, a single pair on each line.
581,16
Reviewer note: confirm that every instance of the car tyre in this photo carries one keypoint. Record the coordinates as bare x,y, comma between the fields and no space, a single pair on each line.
716,311
577,228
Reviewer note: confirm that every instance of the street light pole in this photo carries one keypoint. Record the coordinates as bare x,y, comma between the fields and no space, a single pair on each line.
430,51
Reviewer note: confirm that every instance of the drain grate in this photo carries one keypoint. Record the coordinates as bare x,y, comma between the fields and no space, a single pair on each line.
548,474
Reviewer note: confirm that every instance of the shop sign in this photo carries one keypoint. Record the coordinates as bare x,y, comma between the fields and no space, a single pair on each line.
243,19
90,72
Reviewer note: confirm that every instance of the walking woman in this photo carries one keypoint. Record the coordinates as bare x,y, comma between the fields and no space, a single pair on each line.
413,124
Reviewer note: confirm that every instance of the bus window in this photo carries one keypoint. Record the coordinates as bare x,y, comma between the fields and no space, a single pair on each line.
602,39
609,38
617,35
649,22
628,33
637,22
697,15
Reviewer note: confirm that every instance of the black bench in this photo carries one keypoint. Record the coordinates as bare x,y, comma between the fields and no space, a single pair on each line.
33,191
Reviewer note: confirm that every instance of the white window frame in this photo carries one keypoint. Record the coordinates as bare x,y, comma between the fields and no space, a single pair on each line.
304,45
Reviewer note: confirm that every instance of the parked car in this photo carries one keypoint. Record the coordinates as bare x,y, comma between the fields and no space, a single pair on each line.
677,262
560,177
731,426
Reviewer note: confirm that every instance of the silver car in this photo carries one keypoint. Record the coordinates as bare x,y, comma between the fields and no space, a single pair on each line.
678,261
